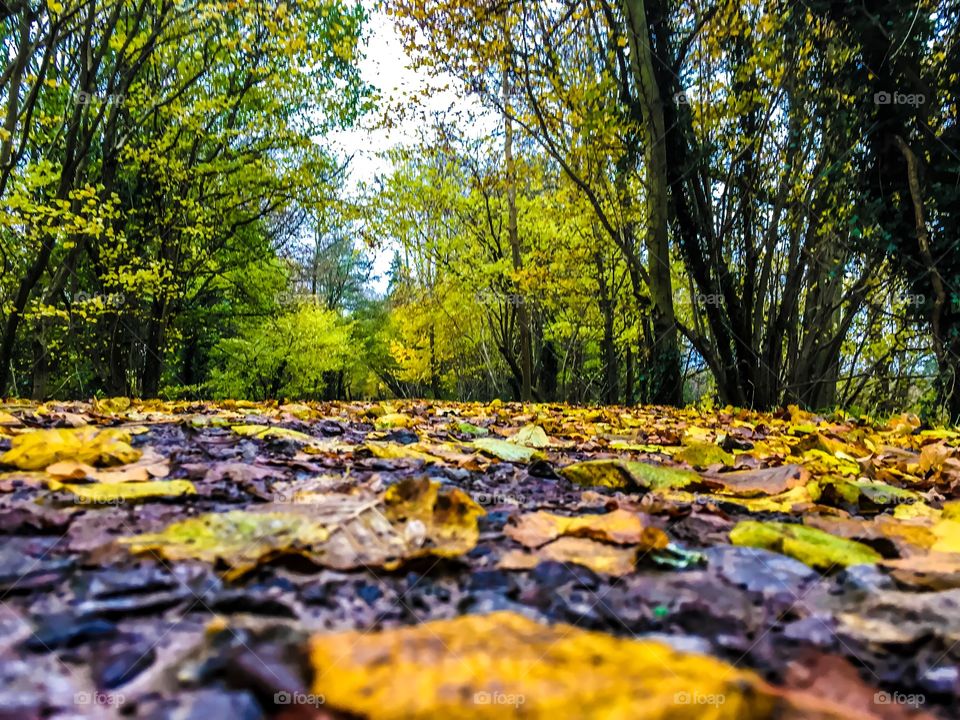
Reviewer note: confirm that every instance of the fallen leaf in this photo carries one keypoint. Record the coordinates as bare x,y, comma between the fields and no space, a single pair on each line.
270,432
396,451
38,449
503,664
897,617
7,419
947,532
814,547
414,518
394,420
238,538
112,493
763,481
620,527
150,465
504,450
598,556
933,571
704,454
530,436
933,455
625,474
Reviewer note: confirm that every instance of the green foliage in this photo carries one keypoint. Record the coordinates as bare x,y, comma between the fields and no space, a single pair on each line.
295,355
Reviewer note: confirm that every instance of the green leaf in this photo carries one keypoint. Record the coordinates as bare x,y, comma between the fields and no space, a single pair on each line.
704,455
627,474
264,432
816,548
504,449
531,436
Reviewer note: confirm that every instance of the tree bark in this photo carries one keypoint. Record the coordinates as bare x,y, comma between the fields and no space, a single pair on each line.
664,384
513,237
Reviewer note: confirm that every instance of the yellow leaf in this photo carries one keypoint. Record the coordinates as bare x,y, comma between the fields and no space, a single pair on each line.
394,420
532,436
264,432
112,493
703,455
948,536
505,665
396,451
36,449
414,518
238,538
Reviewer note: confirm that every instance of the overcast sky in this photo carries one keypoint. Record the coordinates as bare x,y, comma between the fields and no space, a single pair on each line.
388,69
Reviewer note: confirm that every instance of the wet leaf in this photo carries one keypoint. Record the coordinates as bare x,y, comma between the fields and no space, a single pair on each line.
6,419
395,420
396,451
413,518
151,465
933,571
947,532
903,617
763,481
239,539
470,429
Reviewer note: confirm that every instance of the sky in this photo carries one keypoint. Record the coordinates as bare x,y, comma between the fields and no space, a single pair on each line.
388,68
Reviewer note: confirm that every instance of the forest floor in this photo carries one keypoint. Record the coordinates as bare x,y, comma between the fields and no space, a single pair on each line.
436,559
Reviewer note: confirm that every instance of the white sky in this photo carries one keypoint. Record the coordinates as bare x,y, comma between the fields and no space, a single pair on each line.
387,67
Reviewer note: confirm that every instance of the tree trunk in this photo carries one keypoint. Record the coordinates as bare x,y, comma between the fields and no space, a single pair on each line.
523,312
663,356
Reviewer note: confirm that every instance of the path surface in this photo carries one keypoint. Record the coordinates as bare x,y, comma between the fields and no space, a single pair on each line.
418,559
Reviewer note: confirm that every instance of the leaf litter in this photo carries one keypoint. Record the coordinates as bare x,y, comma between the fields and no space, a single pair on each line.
433,559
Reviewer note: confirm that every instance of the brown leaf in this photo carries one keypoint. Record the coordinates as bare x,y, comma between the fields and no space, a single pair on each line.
620,526
763,481
599,557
